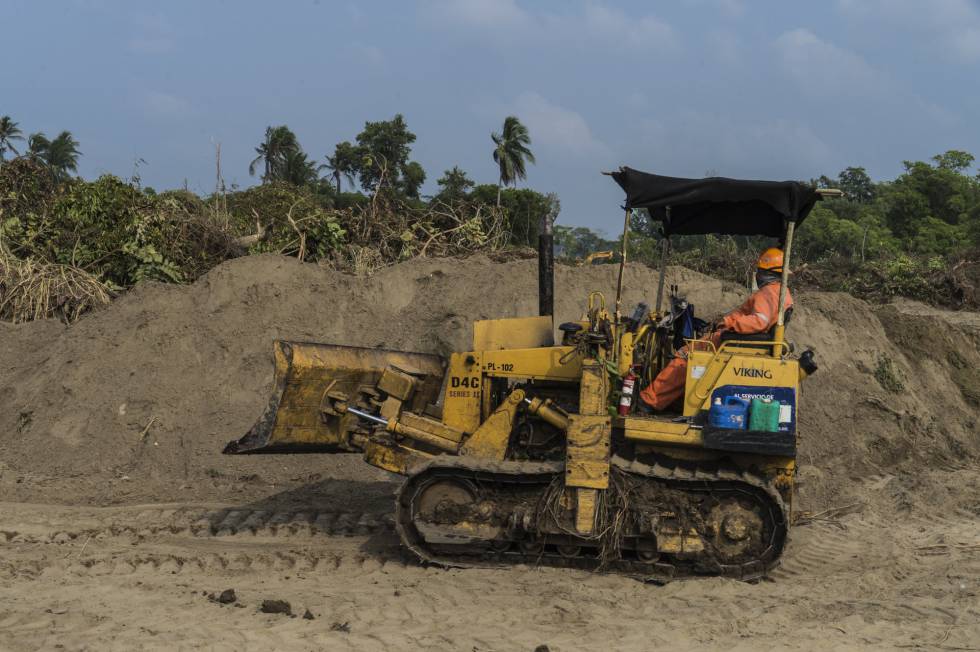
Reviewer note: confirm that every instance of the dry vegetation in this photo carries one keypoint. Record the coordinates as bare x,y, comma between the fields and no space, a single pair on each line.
31,289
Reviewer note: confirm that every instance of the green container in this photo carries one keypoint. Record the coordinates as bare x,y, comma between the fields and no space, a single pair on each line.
764,415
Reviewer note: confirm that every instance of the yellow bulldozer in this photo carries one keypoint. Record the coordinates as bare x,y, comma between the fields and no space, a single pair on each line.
530,450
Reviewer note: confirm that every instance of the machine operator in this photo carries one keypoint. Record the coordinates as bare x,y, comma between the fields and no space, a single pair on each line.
757,315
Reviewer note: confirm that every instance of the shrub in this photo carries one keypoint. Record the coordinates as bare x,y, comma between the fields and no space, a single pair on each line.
108,228
289,220
887,376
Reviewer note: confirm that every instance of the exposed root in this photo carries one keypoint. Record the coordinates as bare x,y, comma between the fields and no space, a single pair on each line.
614,514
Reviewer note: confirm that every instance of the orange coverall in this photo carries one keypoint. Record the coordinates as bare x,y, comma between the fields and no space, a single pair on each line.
757,315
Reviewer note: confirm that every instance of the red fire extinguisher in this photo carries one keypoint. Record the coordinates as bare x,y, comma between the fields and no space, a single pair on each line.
626,397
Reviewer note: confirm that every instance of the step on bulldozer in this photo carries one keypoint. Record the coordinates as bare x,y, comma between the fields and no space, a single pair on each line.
529,449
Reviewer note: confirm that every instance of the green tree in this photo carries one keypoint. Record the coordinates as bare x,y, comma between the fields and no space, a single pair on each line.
412,178
293,220
453,185
8,132
523,208
954,159
935,237
823,181
344,163
297,169
856,185
274,151
62,155
906,208
578,242
972,224
826,234
948,193
511,151
37,147
385,147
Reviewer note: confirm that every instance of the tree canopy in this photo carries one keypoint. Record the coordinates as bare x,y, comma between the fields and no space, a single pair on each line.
512,151
282,158
454,185
384,148
9,132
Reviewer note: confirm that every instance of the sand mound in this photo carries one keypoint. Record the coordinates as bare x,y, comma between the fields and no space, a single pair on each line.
154,385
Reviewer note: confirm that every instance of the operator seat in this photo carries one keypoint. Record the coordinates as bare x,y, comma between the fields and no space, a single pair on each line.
765,336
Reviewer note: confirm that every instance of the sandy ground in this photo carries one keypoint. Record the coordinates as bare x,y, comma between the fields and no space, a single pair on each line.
139,577
119,517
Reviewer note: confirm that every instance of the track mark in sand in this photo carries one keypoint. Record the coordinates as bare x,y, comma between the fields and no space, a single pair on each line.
348,563
824,549
943,534
287,523
952,543
225,522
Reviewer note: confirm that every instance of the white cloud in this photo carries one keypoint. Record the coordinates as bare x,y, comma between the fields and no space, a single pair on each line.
613,25
594,22
142,45
937,113
726,47
483,13
557,128
153,35
820,67
966,42
729,7
733,7
950,26
694,142
370,54
165,105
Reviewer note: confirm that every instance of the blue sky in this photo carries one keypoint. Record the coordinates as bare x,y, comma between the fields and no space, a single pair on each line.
777,89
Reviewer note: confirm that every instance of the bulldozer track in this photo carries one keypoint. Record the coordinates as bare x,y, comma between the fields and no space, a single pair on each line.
689,478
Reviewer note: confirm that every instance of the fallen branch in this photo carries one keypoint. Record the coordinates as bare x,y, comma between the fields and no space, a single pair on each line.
261,232
147,428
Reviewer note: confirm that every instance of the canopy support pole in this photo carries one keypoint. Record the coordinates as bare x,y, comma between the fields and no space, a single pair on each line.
546,269
664,244
778,336
622,265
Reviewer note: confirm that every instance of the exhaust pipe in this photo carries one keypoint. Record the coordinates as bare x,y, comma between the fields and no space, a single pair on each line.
546,268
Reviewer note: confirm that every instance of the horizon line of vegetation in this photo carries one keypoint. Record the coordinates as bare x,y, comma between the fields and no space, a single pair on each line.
905,236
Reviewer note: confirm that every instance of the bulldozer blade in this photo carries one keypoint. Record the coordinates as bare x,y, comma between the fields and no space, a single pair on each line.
308,376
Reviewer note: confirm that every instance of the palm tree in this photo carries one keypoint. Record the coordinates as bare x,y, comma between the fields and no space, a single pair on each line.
37,147
8,133
278,144
335,167
511,152
343,163
297,169
62,155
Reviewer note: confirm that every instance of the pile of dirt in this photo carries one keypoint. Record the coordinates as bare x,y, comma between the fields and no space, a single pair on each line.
153,386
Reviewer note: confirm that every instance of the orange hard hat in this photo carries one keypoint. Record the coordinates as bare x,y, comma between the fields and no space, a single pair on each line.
771,260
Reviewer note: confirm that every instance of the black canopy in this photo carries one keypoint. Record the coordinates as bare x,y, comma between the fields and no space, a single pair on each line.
716,204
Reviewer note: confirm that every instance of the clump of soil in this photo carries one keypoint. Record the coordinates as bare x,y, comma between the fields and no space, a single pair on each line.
276,607
225,597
